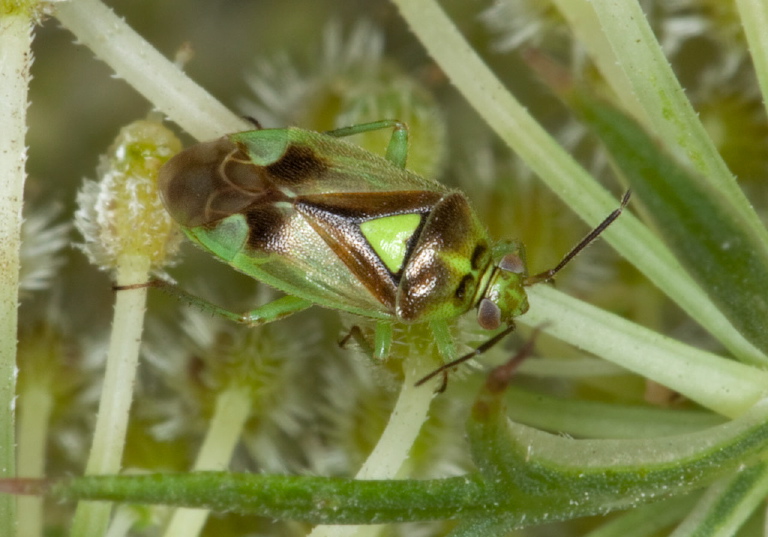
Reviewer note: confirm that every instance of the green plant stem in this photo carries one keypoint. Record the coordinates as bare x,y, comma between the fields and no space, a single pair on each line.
92,519
233,406
308,498
387,459
525,477
161,81
35,404
559,171
15,44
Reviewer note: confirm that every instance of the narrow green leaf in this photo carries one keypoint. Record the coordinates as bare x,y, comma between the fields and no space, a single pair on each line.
561,478
596,419
647,521
727,505
711,238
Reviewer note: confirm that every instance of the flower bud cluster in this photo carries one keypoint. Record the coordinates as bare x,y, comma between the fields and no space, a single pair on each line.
121,215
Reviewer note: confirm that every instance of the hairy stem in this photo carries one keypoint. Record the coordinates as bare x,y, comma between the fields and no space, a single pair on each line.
15,43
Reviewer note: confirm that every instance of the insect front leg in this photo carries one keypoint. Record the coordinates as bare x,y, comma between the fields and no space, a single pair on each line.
397,150
447,349
444,341
453,362
382,342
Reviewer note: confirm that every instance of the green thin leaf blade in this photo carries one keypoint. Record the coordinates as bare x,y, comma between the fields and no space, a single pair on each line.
727,505
556,478
710,237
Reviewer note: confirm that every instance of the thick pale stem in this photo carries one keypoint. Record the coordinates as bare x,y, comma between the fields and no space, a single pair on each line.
233,406
15,43
162,82
405,422
123,521
725,386
388,458
92,519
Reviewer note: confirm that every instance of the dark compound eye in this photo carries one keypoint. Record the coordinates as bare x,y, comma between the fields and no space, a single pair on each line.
488,315
461,289
512,263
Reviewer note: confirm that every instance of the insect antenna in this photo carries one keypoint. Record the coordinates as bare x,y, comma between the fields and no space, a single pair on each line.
548,275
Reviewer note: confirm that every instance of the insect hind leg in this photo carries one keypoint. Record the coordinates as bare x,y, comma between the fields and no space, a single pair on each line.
267,313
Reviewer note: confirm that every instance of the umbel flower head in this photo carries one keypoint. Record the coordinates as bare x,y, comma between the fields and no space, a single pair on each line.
42,243
351,82
121,215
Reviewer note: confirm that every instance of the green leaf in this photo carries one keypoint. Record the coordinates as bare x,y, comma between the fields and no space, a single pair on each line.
597,419
727,504
538,476
647,521
709,235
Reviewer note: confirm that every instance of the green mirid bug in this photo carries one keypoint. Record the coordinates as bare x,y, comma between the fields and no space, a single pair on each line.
331,224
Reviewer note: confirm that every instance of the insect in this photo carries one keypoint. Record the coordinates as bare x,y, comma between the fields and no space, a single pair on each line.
331,224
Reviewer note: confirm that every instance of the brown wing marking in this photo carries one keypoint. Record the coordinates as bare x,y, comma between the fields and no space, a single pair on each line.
337,218
299,164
